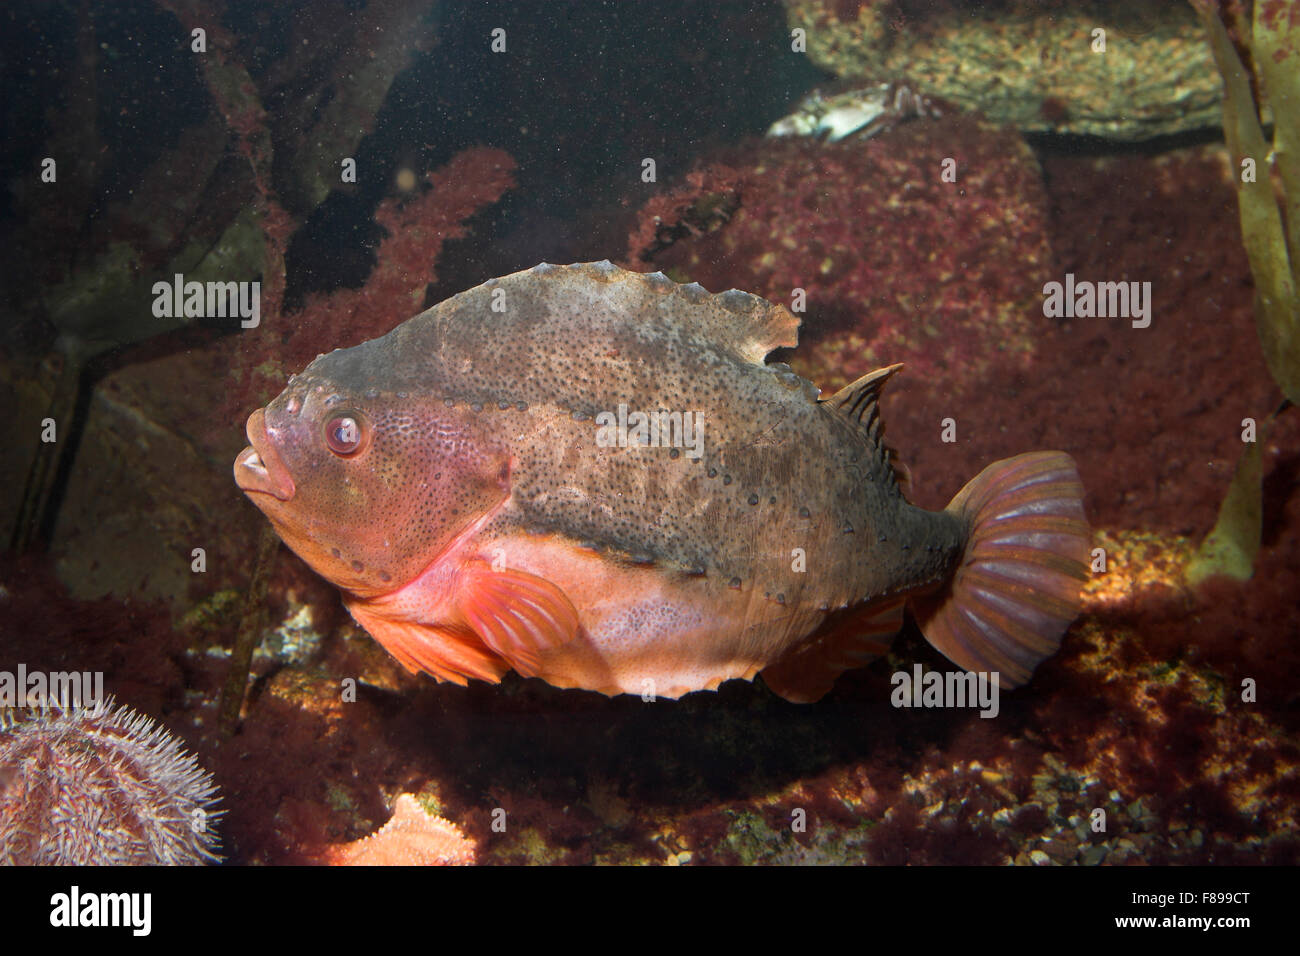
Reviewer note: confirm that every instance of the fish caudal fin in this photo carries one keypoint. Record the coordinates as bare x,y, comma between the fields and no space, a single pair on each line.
1019,582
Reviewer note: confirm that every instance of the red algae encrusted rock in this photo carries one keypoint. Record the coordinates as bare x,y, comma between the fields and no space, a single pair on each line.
898,264
412,837
406,259
405,266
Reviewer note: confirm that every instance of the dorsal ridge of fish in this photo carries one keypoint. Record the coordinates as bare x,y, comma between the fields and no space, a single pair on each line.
859,403
749,324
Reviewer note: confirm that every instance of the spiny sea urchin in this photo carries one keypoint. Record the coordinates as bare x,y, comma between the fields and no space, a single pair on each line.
101,785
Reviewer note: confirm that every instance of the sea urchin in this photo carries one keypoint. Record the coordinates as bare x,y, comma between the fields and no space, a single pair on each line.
101,785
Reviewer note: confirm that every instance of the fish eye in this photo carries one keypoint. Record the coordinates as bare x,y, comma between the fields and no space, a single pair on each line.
344,433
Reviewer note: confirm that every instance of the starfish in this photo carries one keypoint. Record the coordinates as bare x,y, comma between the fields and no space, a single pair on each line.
412,837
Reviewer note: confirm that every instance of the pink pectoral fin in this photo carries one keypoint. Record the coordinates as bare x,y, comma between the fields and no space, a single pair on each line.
517,614
439,651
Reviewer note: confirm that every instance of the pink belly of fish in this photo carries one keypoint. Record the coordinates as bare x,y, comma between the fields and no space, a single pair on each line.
642,631
645,631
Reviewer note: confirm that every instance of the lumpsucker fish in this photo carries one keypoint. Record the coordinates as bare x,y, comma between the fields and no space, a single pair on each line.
592,476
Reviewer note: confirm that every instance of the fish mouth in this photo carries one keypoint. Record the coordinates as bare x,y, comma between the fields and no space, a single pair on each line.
259,468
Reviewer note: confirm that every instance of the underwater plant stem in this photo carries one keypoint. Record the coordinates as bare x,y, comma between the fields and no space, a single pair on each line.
1273,256
34,522
1276,48
1270,231
252,624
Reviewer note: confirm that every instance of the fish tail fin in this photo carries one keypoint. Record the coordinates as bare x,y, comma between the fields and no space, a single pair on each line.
1018,584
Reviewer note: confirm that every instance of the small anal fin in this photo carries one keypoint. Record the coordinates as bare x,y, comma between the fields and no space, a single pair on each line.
851,639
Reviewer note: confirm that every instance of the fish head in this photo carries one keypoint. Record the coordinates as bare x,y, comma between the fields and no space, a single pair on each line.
369,486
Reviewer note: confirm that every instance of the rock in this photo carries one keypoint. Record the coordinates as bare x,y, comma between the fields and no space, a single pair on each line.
1060,850
1035,65
886,262
1094,855
142,489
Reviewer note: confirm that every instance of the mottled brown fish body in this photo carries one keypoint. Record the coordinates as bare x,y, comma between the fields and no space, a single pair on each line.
500,508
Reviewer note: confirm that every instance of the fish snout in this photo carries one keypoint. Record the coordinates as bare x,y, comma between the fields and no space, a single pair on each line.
259,468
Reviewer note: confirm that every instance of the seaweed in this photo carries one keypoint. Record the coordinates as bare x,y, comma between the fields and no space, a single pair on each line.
1268,199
